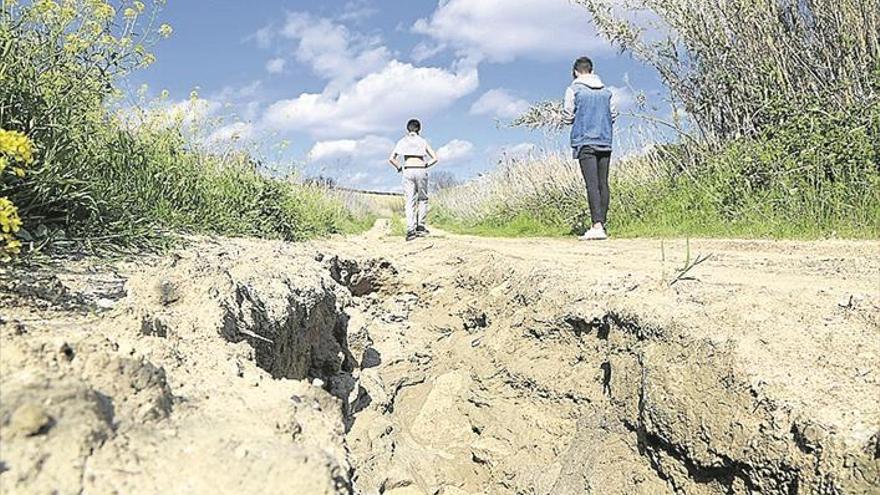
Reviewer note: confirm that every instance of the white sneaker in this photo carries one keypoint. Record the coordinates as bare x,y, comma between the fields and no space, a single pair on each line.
595,234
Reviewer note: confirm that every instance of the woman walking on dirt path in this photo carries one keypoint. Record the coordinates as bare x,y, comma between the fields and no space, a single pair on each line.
418,157
589,110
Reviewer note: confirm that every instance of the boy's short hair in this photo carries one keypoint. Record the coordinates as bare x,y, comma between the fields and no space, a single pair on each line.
582,65
414,126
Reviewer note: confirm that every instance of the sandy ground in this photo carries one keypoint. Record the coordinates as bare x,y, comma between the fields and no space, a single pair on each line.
450,365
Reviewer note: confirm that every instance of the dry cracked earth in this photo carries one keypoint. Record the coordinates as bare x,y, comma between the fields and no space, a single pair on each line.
448,366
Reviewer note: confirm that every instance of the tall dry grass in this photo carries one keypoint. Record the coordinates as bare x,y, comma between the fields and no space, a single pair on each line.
102,181
543,194
809,177
776,106
535,186
738,66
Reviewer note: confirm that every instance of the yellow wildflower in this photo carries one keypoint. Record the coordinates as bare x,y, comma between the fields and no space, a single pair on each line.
165,30
139,6
129,13
10,223
104,11
16,146
45,6
13,246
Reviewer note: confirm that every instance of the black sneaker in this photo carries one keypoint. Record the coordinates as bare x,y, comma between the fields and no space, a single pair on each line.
411,236
422,231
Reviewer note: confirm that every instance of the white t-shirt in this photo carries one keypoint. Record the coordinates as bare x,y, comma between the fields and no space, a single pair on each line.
412,145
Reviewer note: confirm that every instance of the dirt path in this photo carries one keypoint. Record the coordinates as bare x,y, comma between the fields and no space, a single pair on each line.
449,365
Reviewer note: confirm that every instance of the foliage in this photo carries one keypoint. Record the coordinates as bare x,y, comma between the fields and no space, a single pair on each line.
548,115
784,94
102,179
814,175
734,64
443,179
16,153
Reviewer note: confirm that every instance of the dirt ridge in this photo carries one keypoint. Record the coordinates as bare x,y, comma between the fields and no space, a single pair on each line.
448,366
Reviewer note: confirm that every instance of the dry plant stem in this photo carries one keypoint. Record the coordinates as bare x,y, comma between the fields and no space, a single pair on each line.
729,62
683,273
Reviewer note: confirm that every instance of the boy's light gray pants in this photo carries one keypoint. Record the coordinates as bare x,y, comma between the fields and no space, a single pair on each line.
415,196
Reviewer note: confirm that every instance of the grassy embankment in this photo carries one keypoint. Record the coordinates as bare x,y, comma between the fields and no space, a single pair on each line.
782,138
105,178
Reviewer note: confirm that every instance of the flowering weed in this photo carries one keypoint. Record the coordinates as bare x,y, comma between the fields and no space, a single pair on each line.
16,153
99,181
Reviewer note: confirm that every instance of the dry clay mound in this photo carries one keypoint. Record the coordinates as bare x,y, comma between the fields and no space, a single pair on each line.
448,366
551,367
210,371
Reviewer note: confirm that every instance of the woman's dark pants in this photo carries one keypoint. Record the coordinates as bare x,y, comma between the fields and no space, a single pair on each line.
594,165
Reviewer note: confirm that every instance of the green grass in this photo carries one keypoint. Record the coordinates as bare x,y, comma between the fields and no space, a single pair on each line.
814,175
519,226
398,225
103,183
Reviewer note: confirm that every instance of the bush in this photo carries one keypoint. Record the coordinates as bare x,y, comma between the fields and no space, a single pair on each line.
99,179
16,153
814,175
732,64
784,97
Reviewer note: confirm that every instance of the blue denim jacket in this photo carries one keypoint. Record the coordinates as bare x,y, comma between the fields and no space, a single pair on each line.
589,108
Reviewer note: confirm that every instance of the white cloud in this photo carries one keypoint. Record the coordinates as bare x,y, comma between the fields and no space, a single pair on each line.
381,101
500,104
517,151
503,30
263,37
622,97
455,151
242,102
275,66
184,113
238,93
425,50
367,147
357,11
232,133
332,50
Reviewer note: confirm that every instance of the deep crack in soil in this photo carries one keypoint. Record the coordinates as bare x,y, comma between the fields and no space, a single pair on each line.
452,365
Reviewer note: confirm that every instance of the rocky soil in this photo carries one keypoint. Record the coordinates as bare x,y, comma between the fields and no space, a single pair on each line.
452,365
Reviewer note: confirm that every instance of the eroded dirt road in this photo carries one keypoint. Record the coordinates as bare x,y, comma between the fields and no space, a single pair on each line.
451,365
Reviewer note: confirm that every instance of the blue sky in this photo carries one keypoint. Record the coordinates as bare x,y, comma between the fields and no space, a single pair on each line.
338,79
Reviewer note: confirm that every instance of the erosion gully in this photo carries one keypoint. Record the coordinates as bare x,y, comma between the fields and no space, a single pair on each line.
444,368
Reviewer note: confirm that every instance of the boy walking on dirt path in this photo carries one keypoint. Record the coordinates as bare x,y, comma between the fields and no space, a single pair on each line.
417,157
589,110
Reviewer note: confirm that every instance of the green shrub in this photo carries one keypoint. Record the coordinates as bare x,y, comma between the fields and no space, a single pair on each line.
730,65
102,180
815,174
777,109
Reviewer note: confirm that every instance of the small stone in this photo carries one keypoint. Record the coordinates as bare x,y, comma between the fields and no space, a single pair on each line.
105,304
66,351
154,327
168,293
30,420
